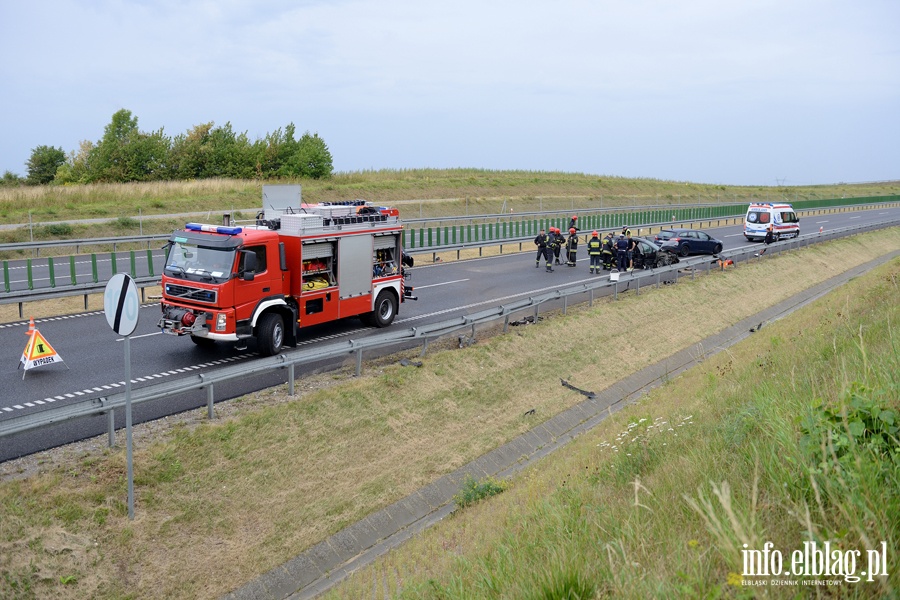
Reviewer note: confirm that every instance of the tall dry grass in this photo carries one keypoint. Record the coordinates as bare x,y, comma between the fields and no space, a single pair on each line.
41,204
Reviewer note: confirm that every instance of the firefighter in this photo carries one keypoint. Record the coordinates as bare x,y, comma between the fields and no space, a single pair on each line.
621,252
608,251
770,234
559,240
544,242
573,223
625,231
572,247
594,251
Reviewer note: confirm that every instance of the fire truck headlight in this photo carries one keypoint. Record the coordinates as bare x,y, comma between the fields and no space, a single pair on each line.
221,321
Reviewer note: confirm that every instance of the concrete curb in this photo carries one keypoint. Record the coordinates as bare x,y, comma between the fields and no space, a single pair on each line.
319,568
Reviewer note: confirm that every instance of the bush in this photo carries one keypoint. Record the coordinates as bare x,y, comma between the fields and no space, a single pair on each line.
473,491
125,223
58,229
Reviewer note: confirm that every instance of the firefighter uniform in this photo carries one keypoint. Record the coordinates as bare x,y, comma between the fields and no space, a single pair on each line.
608,251
594,252
544,245
559,240
572,247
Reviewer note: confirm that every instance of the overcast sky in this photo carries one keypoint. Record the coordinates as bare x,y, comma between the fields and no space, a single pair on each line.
711,91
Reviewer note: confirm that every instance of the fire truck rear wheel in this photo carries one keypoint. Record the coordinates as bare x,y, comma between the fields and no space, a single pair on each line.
385,309
270,334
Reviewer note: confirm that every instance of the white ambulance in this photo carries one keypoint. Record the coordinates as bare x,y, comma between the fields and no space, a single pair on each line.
785,222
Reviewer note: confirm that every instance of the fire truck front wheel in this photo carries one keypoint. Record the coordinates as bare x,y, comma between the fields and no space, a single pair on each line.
385,309
270,334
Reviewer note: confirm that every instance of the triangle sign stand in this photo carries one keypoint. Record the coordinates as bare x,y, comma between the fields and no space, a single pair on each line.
38,351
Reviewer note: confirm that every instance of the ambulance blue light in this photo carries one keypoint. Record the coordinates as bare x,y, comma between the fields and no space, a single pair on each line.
213,228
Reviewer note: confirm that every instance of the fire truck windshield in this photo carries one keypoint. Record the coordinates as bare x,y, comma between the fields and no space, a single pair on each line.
199,263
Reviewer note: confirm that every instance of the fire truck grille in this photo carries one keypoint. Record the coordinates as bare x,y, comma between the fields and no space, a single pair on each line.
183,292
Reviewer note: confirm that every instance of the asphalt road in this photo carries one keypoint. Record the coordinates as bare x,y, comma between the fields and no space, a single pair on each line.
93,355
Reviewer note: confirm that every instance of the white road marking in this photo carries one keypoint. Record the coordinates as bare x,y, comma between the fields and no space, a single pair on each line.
95,390
422,287
134,337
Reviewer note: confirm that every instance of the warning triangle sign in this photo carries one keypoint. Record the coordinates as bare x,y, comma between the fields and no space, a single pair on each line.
38,351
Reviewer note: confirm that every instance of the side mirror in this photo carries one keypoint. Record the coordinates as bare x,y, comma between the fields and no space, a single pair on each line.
250,265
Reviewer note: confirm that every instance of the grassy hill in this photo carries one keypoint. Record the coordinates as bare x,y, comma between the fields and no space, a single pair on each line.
788,438
63,203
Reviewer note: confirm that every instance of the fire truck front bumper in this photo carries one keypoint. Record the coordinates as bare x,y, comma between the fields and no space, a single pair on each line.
181,321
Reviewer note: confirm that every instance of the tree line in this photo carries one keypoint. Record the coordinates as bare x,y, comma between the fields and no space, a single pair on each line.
126,154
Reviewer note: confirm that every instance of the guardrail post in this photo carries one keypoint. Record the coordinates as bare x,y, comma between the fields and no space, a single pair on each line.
111,428
94,269
72,269
6,276
30,279
52,271
210,399
637,280
359,362
291,379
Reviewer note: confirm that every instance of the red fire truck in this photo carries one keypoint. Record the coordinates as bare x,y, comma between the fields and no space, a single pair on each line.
295,267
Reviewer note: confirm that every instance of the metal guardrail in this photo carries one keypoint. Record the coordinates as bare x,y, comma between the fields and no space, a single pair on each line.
290,360
78,243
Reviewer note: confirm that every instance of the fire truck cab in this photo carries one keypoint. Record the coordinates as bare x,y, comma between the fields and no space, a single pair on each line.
297,265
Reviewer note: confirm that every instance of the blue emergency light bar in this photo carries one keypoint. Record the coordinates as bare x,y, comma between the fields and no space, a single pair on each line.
213,228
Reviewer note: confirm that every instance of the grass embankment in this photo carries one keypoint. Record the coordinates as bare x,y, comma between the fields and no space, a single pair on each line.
788,437
466,191
222,502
